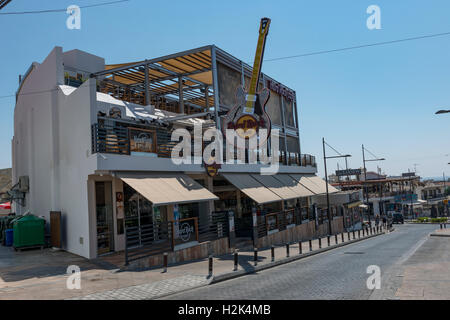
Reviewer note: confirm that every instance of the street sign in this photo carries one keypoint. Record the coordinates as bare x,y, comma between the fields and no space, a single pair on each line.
348,172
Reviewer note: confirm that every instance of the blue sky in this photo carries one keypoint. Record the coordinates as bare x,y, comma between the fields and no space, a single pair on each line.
384,96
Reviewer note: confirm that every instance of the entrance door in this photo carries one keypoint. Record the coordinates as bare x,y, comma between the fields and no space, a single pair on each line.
104,217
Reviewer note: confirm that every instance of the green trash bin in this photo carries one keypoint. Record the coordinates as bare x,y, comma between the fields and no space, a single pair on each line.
29,231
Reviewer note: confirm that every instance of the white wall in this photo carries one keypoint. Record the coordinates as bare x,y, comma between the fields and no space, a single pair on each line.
52,145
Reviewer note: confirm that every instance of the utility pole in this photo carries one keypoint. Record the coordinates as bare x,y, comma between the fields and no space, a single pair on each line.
365,183
326,182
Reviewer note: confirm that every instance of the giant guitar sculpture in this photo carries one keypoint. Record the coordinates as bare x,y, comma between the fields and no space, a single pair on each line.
248,116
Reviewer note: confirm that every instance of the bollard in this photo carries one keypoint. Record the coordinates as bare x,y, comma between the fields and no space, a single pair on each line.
342,236
445,226
255,256
272,253
348,234
310,245
363,232
440,225
335,239
287,250
210,266
374,230
328,241
354,235
359,234
370,229
299,247
320,243
165,256
235,260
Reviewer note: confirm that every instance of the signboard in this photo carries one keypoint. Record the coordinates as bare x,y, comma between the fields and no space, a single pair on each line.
185,231
348,172
212,169
408,174
142,140
405,198
281,90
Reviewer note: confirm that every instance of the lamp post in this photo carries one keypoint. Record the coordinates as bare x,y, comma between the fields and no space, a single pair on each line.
326,181
365,178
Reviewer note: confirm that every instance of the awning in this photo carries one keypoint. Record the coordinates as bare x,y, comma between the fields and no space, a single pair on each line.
294,185
252,187
276,186
314,183
167,188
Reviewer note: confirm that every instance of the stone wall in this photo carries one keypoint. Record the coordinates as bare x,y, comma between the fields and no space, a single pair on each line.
303,232
200,251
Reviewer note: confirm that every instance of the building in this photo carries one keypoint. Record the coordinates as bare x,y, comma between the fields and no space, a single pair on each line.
94,142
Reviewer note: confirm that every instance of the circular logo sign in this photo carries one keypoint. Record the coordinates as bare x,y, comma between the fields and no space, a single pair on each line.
185,231
246,126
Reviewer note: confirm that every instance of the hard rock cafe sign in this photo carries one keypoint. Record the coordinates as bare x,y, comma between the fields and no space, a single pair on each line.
212,169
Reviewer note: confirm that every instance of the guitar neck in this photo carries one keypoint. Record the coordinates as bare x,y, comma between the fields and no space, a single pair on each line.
257,64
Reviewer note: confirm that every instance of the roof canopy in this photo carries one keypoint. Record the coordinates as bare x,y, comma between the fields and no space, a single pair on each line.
191,70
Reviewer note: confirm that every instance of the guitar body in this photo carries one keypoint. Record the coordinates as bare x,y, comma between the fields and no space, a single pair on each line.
247,124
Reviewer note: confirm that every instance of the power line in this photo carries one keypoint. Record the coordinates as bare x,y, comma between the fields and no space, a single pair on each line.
62,10
360,46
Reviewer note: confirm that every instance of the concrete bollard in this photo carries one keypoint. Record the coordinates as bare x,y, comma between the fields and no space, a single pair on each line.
335,239
299,247
165,261
310,245
235,260
255,256
210,266
287,250
320,243
272,253
328,241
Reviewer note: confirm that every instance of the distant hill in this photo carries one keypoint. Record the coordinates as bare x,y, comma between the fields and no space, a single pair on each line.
5,179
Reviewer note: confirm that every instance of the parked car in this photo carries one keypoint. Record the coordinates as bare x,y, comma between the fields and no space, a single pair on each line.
397,218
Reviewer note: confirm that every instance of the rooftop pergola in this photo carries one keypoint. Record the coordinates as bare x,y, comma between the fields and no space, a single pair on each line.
185,78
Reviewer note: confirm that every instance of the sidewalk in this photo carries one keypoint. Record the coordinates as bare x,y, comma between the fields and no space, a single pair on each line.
425,274
28,276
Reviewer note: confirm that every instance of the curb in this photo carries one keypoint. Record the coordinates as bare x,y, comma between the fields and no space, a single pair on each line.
439,235
236,274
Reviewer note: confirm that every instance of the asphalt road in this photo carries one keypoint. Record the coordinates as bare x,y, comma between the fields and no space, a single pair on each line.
337,274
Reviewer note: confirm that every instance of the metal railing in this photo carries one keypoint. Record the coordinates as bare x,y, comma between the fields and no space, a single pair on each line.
152,239
112,136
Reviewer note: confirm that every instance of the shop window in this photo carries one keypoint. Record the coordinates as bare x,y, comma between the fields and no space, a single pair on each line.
188,210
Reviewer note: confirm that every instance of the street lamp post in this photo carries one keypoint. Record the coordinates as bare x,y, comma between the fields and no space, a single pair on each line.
365,178
326,181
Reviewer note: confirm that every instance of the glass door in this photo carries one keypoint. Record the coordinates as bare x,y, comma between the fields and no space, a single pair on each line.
104,217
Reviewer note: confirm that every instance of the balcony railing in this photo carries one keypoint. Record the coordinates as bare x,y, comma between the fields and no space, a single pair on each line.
110,136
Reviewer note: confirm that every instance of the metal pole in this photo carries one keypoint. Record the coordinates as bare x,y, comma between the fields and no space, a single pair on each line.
365,181
210,266
287,250
235,260
272,253
255,256
300,247
326,181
